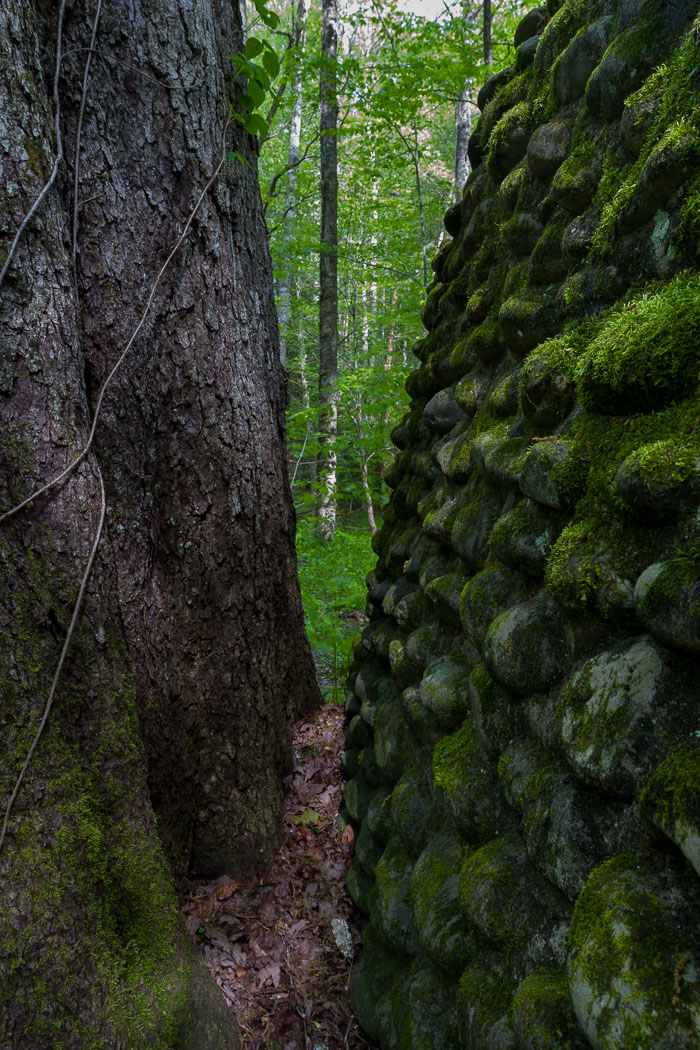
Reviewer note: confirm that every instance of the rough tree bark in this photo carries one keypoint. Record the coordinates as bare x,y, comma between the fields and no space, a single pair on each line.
328,285
189,659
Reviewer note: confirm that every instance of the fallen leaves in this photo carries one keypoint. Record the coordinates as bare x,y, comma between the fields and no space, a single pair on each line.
282,951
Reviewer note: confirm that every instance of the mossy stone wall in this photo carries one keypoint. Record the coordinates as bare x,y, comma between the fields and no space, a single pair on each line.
523,712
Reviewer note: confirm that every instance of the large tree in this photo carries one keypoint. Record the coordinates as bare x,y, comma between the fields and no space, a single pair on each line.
188,660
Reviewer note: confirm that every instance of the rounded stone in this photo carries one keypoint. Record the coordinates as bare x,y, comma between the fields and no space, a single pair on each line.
484,598
652,484
531,24
546,393
637,119
543,1017
633,964
560,834
548,148
526,54
525,648
361,888
468,781
392,912
472,528
471,392
427,642
414,812
619,73
393,741
444,690
541,474
489,89
511,147
522,233
368,850
671,799
523,537
574,186
443,933
453,219
528,319
500,458
622,710
442,412
579,60
578,235
667,599
502,894
668,167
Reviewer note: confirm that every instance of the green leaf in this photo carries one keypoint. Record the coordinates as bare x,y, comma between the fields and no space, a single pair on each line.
243,65
309,816
253,47
261,75
256,125
270,18
271,63
256,91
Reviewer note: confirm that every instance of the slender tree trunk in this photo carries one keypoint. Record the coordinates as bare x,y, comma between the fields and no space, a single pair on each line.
364,471
488,56
421,211
328,291
189,658
298,33
463,129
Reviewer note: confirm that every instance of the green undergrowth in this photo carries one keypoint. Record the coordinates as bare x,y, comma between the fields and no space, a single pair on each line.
331,576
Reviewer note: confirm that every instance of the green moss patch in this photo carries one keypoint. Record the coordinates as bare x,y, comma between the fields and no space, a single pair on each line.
633,965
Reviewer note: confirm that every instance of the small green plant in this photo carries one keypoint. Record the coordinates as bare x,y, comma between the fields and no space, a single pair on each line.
332,591
260,65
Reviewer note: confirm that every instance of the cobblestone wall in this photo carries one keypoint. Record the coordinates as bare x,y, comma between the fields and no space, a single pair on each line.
523,712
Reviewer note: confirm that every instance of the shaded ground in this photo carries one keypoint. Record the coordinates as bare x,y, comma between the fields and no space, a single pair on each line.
282,951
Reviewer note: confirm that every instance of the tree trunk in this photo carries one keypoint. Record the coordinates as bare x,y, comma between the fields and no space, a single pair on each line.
488,56
298,32
463,129
328,291
421,212
189,658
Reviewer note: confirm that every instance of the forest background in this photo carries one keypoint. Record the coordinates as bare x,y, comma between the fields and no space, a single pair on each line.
406,75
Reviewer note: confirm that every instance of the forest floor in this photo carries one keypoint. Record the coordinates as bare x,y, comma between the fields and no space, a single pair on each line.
282,950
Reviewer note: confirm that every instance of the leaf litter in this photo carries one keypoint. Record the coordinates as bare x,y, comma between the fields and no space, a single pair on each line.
282,950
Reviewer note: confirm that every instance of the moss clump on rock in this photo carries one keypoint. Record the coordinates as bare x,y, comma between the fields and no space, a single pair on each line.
671,799
542,1015
645,351
633,967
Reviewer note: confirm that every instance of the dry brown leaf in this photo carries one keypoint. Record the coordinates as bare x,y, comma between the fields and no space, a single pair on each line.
226,888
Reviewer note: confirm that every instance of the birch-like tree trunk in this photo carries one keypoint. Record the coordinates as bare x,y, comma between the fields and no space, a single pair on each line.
463,129
328,288
189,657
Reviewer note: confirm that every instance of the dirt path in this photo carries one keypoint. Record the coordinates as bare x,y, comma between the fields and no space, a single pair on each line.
282,951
